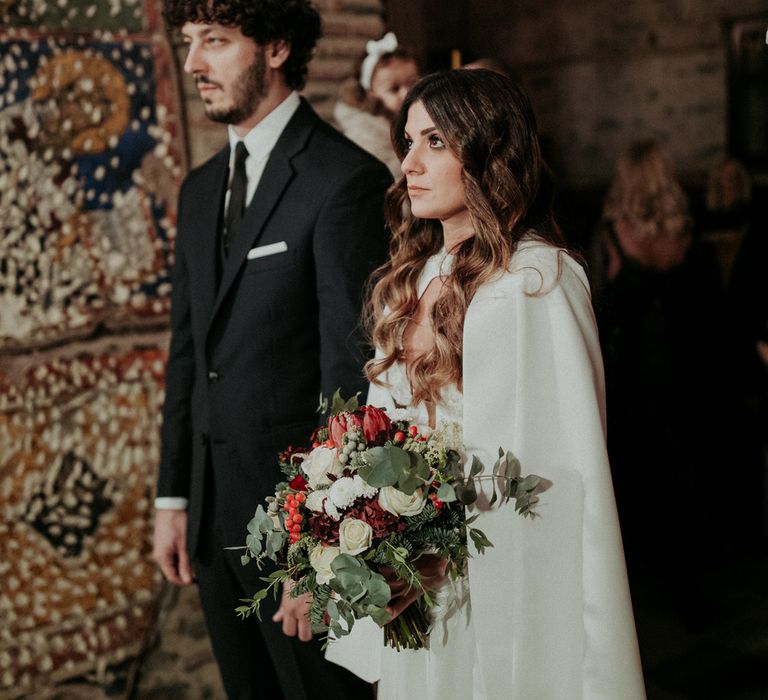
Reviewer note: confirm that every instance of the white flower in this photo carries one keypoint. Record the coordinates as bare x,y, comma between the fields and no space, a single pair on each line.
315,500
321,462
342,492
398,503
330,509
362,488
354,536
321,558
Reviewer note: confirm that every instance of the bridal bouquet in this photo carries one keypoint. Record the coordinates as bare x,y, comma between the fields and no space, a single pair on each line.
371,492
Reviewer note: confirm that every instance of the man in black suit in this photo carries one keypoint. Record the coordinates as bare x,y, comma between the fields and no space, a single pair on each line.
276,237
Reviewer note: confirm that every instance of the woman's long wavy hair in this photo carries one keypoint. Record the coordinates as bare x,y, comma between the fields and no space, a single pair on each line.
487,122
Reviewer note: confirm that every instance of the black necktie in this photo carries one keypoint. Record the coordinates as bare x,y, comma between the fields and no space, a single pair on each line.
237,192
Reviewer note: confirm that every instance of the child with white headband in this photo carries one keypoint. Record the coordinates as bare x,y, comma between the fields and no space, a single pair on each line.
369,102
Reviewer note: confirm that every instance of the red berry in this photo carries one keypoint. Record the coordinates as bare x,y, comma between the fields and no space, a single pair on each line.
413,430
399,436
297,518
330,443
315,444
296,528
300,497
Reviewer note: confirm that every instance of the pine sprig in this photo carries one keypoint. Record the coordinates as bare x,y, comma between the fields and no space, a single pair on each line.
322,594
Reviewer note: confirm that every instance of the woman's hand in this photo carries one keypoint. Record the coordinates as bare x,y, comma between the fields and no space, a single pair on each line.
293,613
432,570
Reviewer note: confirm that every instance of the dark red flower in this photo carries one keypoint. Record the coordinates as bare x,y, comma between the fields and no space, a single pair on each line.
342,423
376,426
298,483
381,521
324,528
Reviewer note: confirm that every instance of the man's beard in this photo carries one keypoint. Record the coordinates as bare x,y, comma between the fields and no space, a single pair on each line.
249,89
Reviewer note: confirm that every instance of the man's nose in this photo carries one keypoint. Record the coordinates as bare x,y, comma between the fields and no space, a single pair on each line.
193,63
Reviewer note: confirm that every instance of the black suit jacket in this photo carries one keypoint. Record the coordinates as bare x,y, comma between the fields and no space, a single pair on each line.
249,359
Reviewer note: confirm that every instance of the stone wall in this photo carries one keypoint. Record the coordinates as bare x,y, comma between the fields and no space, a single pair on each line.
602,74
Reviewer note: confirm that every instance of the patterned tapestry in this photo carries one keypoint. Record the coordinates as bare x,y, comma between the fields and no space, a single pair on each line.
80,443
91,158
90,162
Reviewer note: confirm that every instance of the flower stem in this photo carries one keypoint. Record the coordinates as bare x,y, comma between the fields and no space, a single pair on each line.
410,629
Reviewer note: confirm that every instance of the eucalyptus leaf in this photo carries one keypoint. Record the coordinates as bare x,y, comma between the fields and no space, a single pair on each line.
476,468
529,483
253,542
262,520
379,593
275,541
333,610
446,493
381,616
384,465
244,559
468,494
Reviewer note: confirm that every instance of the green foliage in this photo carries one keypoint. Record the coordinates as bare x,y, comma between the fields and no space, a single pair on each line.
338,404
390,465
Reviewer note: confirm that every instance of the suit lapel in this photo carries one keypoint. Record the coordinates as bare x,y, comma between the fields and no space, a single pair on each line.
278,173
206,221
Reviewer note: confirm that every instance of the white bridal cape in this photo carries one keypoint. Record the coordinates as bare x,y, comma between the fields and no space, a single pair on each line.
550,616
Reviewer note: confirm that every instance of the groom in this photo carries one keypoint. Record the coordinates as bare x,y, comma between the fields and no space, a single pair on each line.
276,237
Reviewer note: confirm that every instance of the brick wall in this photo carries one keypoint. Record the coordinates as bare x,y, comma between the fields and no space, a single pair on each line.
347,26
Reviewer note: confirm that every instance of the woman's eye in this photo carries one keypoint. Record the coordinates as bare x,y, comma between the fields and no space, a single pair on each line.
408,144
436,142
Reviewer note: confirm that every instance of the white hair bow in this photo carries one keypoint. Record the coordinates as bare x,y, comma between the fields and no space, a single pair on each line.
375,50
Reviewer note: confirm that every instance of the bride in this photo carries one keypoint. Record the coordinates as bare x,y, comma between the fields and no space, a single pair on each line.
481,316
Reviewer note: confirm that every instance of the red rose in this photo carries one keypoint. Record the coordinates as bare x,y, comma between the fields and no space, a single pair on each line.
298,483
342,423
376,426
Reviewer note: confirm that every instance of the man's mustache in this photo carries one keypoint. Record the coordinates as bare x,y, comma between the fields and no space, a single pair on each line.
202,80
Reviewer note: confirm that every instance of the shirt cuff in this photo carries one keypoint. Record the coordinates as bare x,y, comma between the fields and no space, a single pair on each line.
171,503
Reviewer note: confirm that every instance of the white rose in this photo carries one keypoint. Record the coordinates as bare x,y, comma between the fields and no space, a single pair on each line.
315,500
321,462
354,536
342,492
398,503
320,559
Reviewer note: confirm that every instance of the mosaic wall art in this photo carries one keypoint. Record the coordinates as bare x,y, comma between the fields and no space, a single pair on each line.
91,157
80,445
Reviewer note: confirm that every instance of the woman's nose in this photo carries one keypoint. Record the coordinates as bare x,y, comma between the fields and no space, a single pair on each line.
411,163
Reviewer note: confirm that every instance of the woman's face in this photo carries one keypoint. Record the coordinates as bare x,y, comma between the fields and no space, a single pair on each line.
432,172
391,82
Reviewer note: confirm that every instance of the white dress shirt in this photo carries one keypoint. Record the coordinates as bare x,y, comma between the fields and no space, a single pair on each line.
259,141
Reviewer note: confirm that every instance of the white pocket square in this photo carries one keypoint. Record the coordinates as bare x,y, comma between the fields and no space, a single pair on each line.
269,249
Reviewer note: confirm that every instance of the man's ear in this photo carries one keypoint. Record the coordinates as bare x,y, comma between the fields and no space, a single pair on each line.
277,53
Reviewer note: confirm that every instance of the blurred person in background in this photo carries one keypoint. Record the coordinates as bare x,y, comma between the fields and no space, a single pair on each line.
370,101
659,306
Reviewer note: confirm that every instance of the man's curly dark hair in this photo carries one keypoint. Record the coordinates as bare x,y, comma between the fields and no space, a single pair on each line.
295,21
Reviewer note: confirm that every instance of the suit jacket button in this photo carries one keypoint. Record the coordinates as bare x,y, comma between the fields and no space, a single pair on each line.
213,376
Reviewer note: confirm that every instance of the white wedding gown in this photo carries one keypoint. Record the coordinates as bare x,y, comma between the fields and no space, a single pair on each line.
545,614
